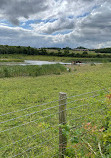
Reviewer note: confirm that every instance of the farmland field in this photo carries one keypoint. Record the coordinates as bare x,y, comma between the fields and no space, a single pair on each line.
18,93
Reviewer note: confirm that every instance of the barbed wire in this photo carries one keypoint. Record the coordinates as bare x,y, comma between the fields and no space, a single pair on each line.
28,108
30,136
48,103
88,93
35,146
26,123
55,145
53,137
83,105
39,118
88,114
34,121
28,114
45,109
53,127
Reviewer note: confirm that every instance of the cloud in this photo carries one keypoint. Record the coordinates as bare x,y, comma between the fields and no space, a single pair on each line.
51,27
22,37
92,31
44,23
13,10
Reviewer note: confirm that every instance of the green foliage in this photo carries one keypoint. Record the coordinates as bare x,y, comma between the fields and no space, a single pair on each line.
32,70
107,132
103,50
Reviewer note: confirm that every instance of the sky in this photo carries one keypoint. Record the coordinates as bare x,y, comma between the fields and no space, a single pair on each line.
56,23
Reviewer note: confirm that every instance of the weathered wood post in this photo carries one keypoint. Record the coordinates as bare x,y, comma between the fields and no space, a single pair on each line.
62,121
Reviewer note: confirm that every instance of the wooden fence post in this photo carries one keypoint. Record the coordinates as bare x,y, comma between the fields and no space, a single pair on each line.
62,121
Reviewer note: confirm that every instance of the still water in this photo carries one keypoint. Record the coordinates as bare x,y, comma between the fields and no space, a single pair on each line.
32,62
38,62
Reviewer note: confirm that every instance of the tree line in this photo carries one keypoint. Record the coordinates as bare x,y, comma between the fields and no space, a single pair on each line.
103,50
5,49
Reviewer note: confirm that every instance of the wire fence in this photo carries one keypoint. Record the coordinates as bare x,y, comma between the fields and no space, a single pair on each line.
36,131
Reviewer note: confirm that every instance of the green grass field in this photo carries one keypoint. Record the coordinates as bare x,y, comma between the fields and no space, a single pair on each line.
21,58
34,132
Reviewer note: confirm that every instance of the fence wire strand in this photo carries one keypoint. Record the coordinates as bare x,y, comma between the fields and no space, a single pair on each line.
53,127
48,103
55,113
33,121
29,108
47,109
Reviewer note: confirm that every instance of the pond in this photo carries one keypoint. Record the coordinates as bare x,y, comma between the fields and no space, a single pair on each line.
38,62
33,62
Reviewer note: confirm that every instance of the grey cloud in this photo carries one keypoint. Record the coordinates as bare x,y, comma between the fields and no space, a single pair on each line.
87,31
2,3
13,10
100,20
94,29
61,24
22,37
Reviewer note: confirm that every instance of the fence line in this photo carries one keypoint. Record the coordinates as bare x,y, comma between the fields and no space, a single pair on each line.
87,114
39,145
29,136
45,109
49,103
82,105
36,119
52,128
34,147
87,93
28,108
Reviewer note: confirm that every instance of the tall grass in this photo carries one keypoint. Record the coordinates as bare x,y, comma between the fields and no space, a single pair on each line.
11,60
31,70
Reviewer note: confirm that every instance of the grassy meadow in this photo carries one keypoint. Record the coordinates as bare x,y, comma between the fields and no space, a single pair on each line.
33,132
